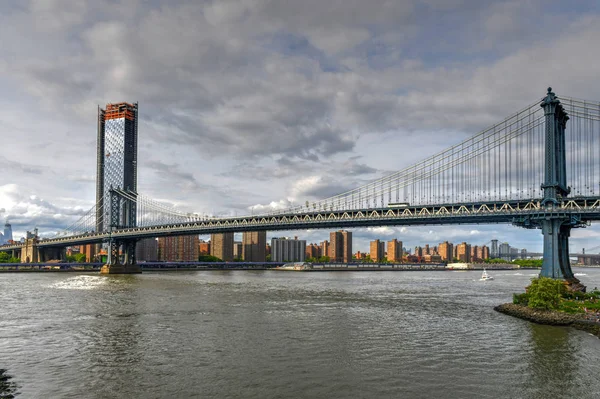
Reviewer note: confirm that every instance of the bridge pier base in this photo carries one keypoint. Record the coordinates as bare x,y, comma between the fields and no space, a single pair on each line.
121,269
116,249
556,262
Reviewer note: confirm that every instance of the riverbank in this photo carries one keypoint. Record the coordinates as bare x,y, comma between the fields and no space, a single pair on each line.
588,323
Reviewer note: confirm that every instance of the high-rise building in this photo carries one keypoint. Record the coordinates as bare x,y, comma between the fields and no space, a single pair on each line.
312,251
237,250
116,158
426,250
463,252
504,251
8,235
418,251
147,250
341,246
221,246
446,251
377,250
325,249
485,252
204,248
394,251
475,254
494,253
288,250
178,248
254,246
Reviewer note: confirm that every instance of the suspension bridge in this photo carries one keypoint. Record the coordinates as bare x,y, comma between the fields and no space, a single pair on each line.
538,168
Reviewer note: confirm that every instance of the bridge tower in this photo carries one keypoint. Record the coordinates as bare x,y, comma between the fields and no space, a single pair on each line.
116,182
121,252
556,225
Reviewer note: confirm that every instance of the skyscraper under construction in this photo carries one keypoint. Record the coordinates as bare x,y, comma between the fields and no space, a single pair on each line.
116,156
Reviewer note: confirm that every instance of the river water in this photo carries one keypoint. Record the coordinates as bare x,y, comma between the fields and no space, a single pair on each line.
270,334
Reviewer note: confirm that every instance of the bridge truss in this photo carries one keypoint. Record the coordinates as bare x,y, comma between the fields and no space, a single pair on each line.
532,166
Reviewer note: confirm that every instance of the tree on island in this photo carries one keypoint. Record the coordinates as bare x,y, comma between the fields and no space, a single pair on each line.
6,258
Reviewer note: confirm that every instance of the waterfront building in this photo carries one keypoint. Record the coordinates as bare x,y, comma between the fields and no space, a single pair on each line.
237,250
147,250
221,246
463,252
485,252
312,251
254,245
287,250
116,156
504,251
325,249
426,250
394,251
178,248
475,254
377,250
341,246
446,251
494,252
418,252
204,248
432,258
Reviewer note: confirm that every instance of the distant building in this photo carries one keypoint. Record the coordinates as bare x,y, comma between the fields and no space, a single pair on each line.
221,246
475,253
463,252
504,251
147,250
485,252
8,235
377,250
288,250
254,246
237,250
204,248
418,252
494,252
431,258
446,251
178,248
312,251
325,249
341,246
426,250
394,251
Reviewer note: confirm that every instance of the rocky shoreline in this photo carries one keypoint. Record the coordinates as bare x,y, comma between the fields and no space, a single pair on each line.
580,322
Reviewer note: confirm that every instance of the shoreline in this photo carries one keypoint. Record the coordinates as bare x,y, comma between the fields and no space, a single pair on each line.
549,317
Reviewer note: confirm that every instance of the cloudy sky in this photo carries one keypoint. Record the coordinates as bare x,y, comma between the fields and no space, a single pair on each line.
262,103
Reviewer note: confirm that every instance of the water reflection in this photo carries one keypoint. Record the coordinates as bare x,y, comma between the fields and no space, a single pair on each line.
553,365
8,389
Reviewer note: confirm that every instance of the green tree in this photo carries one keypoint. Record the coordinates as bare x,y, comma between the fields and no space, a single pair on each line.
208,258
79,258
545,293
268,258
4,257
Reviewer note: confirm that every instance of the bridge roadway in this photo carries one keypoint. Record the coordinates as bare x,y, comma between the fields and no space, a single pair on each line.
584,208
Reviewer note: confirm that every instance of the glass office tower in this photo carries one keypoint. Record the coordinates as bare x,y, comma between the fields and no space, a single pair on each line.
116,156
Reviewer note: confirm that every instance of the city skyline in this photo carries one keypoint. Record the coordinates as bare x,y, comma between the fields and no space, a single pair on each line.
254,158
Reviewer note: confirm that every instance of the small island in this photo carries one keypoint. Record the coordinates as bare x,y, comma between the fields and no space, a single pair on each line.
550,301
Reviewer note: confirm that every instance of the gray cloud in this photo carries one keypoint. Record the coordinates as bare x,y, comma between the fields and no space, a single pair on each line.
252,102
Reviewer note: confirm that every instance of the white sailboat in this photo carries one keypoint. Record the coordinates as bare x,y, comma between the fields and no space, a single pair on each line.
485,276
